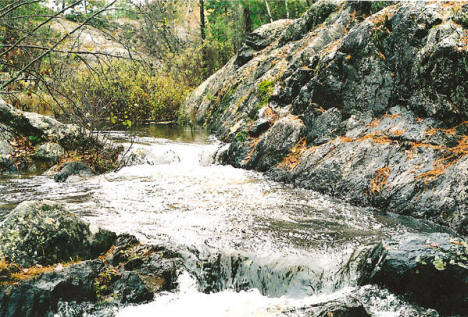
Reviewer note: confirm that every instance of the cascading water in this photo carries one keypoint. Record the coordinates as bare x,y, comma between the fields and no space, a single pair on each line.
251,247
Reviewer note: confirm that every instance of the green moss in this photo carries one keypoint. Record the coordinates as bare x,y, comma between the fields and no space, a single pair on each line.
210,97
241,136
264,91
265,87
439,263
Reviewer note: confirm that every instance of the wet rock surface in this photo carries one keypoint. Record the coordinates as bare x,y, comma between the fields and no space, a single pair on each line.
42,232
73,168
379,101
430,269
129,273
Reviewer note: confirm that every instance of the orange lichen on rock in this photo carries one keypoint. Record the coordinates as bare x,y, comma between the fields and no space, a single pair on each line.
453,4
380,17
375,123
377,137
332,46
345,139
293,159
449,158
19,274
271,115
380,179
397,132
253,145
381,55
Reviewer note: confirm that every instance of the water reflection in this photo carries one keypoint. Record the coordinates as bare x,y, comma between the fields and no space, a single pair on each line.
174,133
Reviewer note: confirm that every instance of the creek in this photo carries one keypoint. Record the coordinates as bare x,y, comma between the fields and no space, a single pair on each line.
251,246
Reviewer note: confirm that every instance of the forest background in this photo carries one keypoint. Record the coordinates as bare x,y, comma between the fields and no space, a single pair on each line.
120,63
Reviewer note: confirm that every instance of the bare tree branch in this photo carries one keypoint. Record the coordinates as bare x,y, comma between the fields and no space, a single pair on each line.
38,27
17,6
55,45
69,51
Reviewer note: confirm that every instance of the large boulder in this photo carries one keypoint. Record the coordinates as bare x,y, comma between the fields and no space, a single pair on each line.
43,232
39,126
430,269
27,137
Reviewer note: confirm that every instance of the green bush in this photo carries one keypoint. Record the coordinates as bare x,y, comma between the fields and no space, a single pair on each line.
125,94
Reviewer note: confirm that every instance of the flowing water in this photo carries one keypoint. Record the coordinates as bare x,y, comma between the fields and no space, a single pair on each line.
251,246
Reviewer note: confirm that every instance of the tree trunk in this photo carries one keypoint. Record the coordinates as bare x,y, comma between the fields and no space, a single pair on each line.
268,10
247,20
287,9
204,65
202,20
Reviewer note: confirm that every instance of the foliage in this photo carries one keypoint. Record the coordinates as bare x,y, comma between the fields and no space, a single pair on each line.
376,6
241,136
124,94
98,92
264,91
104,280
229,22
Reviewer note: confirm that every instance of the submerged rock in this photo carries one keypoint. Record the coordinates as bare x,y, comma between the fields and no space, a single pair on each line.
430,269
73,168
42,232
376,104
342,310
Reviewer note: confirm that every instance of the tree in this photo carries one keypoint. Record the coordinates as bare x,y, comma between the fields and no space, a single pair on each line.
268,10
247,20
202,20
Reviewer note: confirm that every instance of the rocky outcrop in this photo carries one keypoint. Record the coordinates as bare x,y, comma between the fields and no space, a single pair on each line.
430,269
29,140
94,285
120,271
363,101
42,232
34,125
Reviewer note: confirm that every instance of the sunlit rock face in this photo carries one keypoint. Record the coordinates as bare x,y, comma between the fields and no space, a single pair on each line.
366,104
44,233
